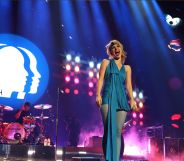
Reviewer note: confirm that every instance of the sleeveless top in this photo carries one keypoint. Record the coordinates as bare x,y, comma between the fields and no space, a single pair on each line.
113,94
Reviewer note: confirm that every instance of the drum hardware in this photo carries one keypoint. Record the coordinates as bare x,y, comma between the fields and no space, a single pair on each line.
42,107
2,124
14,133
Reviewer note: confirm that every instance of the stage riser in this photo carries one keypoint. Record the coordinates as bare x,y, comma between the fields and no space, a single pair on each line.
21,151
46,153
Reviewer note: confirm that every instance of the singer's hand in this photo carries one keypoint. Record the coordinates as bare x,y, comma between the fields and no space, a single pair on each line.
99,100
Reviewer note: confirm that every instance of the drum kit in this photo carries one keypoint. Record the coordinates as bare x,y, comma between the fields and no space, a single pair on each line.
16,133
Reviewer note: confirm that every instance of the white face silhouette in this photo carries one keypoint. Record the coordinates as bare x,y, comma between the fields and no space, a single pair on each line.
13,73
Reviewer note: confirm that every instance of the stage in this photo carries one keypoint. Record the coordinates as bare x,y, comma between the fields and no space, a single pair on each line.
46,153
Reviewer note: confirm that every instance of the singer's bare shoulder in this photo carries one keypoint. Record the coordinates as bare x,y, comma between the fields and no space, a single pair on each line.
104,63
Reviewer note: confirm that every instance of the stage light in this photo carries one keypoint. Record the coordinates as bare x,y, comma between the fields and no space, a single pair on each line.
97,75
98,66
91,74
76,80
173,22
82,152
67,90
68,57
90,84
141,116
175,126
134,115
140,95
59,152
175,117
141,123
134,123
175,45
67,78
90,93
68,67
77,68
141,104
91,64
31,152
134,94
76,91
77,59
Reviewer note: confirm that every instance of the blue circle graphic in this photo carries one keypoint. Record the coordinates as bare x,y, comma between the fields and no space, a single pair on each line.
24,72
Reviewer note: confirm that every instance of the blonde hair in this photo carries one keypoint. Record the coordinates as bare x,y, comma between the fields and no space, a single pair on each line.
109,46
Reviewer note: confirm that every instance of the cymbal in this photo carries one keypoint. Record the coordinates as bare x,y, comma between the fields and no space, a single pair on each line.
6,108
41,117
43,106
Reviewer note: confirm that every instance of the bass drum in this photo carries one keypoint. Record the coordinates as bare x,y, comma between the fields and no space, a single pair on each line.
14,133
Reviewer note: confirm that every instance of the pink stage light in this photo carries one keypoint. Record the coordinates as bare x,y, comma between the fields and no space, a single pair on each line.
141,116
134,115
90,93
90,84
77,69
67,78
76,91
67,90
141,123
134,123
76,80
175,126
68,67
175,117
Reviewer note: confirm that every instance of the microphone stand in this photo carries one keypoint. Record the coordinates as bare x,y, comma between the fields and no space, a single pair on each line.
57,120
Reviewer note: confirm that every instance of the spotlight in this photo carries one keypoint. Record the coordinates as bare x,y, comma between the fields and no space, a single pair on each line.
67,90
67,78
175,45
134,123
76,91
68,57
90,93
91,74
68,67
140,95
141,123
90,84
77,69
59,152
134,94
141,116
98,66
140,104
97,75
77,59
91,64
31,152
175,126
173,22
176,117
134,115
76,80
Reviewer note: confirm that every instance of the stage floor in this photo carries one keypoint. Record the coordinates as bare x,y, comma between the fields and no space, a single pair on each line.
46,153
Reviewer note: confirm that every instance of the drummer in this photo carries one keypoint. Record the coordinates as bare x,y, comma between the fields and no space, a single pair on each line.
22,112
